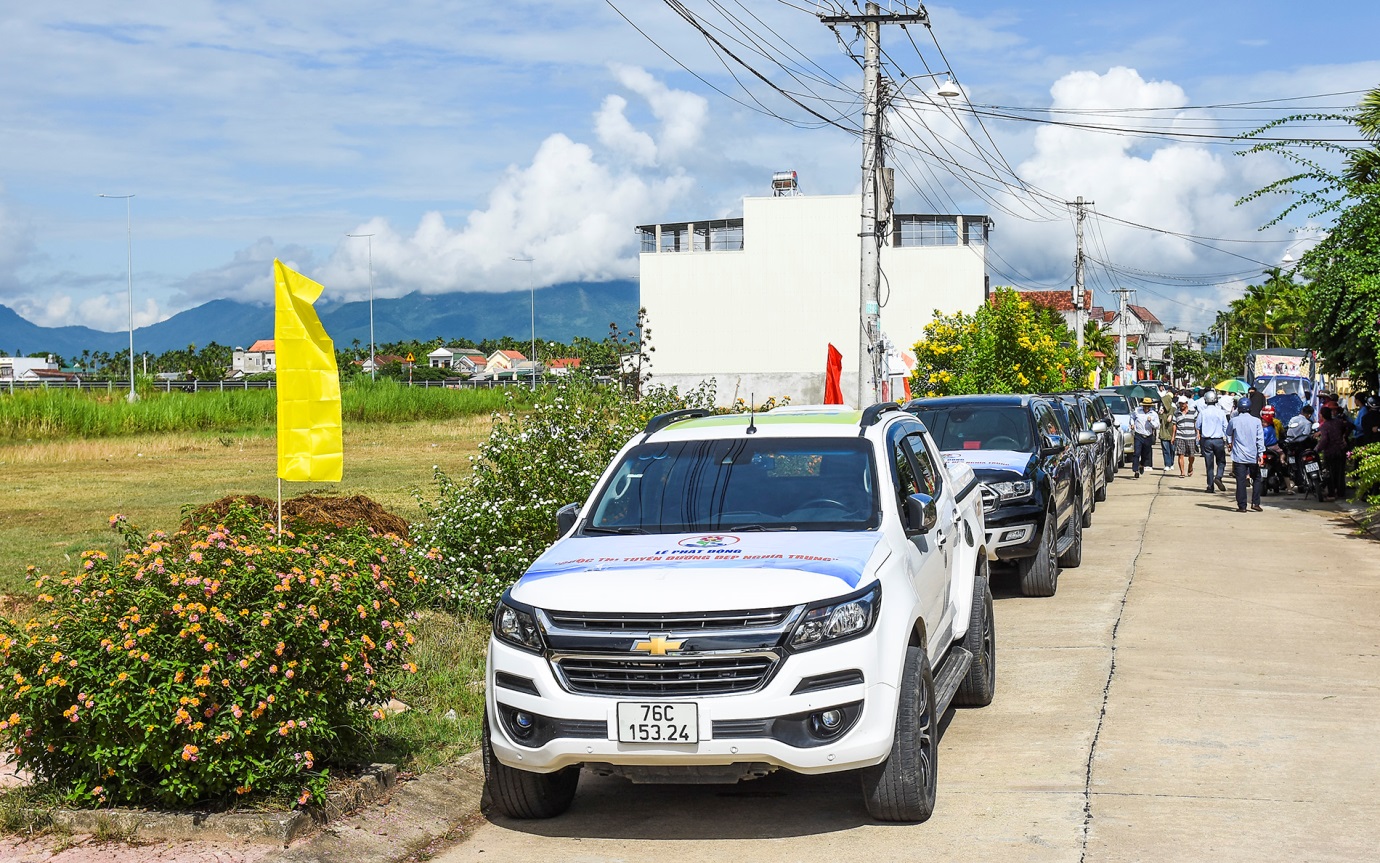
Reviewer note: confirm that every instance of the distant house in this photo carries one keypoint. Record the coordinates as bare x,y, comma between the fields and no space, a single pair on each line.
466,360
20,368
259,358
502,361
563,366
50,376
379,361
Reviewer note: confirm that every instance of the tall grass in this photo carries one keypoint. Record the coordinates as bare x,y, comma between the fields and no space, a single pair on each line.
68,413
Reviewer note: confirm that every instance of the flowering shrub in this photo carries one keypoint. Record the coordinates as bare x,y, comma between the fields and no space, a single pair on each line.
483,531
1006,346
1366,477
212,663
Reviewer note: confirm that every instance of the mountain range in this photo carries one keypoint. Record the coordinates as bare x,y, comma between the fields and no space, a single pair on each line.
562,312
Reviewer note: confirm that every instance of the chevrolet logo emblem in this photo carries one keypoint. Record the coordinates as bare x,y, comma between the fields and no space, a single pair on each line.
658,645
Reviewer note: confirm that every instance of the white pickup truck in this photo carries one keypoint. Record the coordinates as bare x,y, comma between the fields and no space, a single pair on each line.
803,589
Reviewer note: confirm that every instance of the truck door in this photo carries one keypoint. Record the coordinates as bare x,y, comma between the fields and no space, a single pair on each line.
1057,466
930,473
926,553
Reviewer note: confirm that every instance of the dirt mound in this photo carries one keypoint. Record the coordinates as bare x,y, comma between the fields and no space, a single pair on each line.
307,511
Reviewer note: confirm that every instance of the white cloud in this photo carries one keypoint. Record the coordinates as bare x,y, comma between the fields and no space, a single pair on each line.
571,210
106,312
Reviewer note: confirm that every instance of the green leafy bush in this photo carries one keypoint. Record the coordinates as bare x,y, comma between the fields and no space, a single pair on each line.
483,531
1366,477
214,662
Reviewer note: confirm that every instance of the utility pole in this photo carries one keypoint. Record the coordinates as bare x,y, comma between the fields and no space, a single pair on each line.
1121,323
1079,206
870,356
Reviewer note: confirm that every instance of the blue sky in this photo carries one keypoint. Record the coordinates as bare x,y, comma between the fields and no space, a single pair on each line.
464,134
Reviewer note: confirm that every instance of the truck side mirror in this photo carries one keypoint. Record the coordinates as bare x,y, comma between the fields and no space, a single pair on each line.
921,513
1086,437
1053,446
566,517
1099,427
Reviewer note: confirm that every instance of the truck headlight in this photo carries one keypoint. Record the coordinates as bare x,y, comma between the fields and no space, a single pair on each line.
837,619
1013,490
517,627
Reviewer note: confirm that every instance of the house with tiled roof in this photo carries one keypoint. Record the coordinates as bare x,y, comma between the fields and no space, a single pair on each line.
260,357
563,366
502,361
465,360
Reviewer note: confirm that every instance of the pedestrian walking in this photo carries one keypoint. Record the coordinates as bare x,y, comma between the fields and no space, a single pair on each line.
1186,436
1247,438
1332,444
1212,432
1166,433
1145,424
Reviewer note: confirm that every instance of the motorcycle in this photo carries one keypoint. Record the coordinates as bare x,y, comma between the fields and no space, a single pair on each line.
1314,475
1273,473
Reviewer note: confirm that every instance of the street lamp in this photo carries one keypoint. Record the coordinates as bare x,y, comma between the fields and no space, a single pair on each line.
373,353
532,291
129,263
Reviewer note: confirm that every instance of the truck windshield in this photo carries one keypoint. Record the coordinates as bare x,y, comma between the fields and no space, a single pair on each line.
740,484
978,427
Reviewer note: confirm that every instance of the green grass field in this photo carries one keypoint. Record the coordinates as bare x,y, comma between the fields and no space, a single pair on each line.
56,496
33,415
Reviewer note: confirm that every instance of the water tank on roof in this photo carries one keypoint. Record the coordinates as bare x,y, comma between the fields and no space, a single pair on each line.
785,184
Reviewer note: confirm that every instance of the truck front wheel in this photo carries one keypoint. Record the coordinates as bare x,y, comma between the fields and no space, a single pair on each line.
1039,575
522,793
903,787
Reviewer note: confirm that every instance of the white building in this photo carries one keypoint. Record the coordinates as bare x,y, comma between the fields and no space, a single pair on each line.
260,358
25,368
754,303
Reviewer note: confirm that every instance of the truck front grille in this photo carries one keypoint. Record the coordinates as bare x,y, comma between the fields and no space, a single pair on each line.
700,621
665,678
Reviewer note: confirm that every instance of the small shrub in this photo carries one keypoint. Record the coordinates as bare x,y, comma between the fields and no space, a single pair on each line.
483,531
1366,477
219,661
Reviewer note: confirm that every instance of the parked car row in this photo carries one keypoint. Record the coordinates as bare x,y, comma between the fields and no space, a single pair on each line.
1044,462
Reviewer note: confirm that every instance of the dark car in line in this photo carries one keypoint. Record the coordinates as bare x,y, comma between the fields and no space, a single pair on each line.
1027,463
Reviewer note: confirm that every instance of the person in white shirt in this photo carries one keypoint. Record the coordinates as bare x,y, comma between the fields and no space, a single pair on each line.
1212,432
1145,425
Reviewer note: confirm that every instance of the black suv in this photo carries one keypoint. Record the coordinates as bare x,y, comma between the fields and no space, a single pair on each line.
1080,417
1027,464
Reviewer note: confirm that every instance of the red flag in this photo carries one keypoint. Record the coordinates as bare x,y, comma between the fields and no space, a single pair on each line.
833,375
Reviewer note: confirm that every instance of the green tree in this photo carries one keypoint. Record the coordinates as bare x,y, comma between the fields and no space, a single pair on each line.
1340,313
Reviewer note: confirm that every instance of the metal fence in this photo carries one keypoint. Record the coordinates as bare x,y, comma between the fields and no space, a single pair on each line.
116,386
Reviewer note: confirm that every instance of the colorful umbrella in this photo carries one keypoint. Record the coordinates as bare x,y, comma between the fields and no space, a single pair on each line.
1232,385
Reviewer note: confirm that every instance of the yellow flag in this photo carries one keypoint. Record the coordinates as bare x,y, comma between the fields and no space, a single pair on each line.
309,440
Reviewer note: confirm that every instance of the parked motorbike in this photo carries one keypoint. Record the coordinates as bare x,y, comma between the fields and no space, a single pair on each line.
1273,473
1314,475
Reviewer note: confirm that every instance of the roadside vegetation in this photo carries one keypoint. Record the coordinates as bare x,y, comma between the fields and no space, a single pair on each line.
65,413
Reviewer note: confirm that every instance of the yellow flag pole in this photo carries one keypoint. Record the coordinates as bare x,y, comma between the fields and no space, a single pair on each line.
280,509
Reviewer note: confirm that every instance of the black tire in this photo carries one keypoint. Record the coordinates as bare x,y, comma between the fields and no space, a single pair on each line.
1100,493
1039,575
1085,517
903,787
522,793
980,684
1073,555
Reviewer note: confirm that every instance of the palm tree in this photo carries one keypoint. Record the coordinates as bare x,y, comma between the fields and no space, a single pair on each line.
1097,339
1363,163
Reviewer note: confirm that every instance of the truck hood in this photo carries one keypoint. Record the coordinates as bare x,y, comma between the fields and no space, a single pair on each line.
699,571
993,464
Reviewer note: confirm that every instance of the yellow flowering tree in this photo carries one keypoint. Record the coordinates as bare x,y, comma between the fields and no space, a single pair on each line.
1006,346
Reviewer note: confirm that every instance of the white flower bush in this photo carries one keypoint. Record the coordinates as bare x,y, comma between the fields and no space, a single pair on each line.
483,531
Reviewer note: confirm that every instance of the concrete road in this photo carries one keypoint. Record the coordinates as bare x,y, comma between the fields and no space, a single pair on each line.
1205,686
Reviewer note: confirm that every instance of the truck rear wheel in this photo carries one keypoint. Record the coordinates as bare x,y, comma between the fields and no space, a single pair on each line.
522,793
980,684
903,787
1073,555
1039,575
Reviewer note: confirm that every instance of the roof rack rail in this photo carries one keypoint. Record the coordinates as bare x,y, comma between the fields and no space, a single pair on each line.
661,421
872,414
